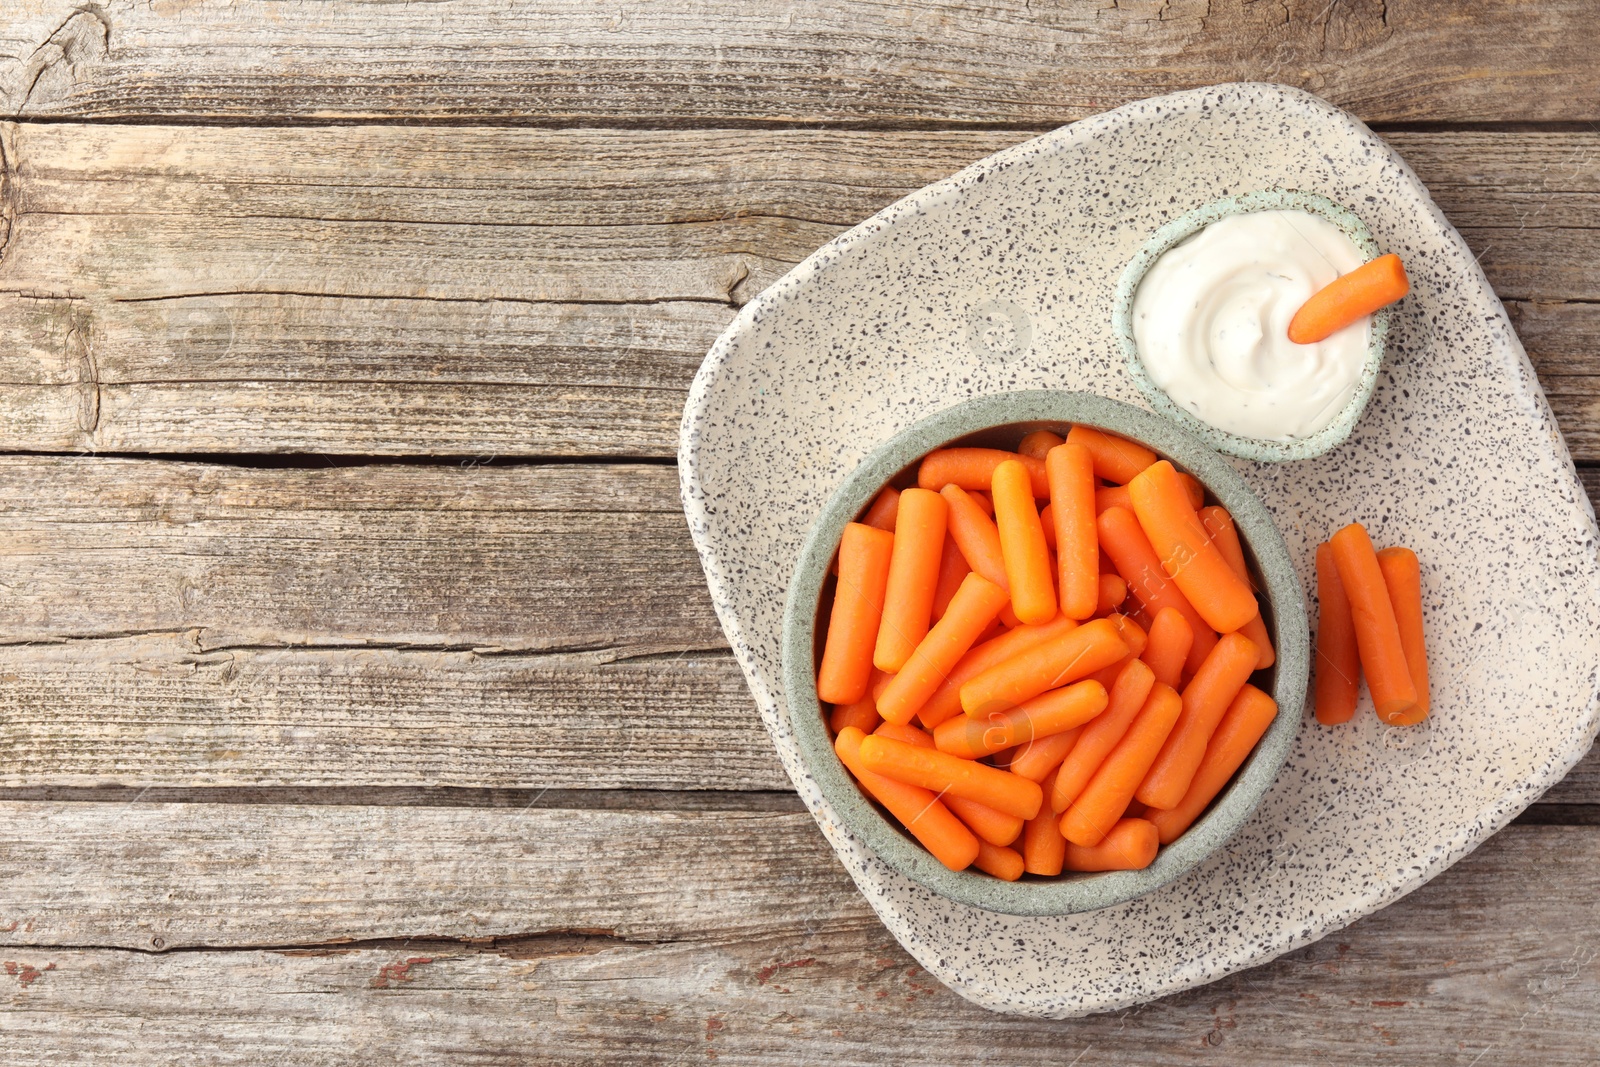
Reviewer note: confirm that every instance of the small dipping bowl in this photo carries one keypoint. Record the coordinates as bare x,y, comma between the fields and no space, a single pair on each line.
1257,448
1000,421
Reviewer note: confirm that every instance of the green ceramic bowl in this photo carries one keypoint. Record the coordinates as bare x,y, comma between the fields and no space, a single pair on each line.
1258,448
1001,421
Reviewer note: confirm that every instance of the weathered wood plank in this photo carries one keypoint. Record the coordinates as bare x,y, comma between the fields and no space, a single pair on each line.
1483,967
448,556
403,291
174,875
1010,61
159,711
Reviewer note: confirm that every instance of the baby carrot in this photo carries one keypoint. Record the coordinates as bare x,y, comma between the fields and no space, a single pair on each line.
1070,470
1036,759
1043,847
1338,674
1219,524
946,700
995,827
1383,657
1402,576
1205,701
1113,591
884,507
944,773
864,564
919,530
1102,733
1196,491
975,535
1022,547
878,683
1116,459
1134,636
1170,638
863,715
1106,797
973,468
1130,845
972,609
1180,541
1074,655
1248,717
1372,285
980,497
1038,444
1047,519
1004,863
953,569
929,821
1129,549
1112,496
1047,713
903,732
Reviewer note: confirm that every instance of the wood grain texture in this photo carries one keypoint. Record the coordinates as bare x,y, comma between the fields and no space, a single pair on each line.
477,291
1481,967
447,557
1012,61
145,876
160,711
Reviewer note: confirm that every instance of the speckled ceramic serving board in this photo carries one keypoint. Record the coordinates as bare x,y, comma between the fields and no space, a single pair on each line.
1001,278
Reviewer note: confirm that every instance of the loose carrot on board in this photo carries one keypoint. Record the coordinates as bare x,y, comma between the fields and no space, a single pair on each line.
1102,733
1248,717
885,506
1383,657
1102,802
863,715
1180,541
1338,673
973,468
1129,549
1055,663
1170,638
1039,443
1036,759
953,569
1112,496
946,700
1048,713
1004,863
947,774
1116,459
1070,470
918,809
976,535
919,531
973,608
1373,285
1043,847
1402,576
1130,845
864,564
1219,524
1113,591
1205,701
1027,559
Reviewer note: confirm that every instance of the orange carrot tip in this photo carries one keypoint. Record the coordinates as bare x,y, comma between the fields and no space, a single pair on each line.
1349,297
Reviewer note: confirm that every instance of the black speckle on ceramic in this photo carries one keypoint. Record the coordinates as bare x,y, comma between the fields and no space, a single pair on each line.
1457,456
1059,410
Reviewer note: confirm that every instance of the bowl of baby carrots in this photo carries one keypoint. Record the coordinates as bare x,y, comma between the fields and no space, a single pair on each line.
1044,652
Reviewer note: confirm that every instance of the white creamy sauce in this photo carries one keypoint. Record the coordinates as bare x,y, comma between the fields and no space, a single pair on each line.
1211,320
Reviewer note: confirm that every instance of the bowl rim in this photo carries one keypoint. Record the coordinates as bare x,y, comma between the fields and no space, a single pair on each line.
1091,891
1192,222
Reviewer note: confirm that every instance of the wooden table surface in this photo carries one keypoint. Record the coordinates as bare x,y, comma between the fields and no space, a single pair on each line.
360,696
